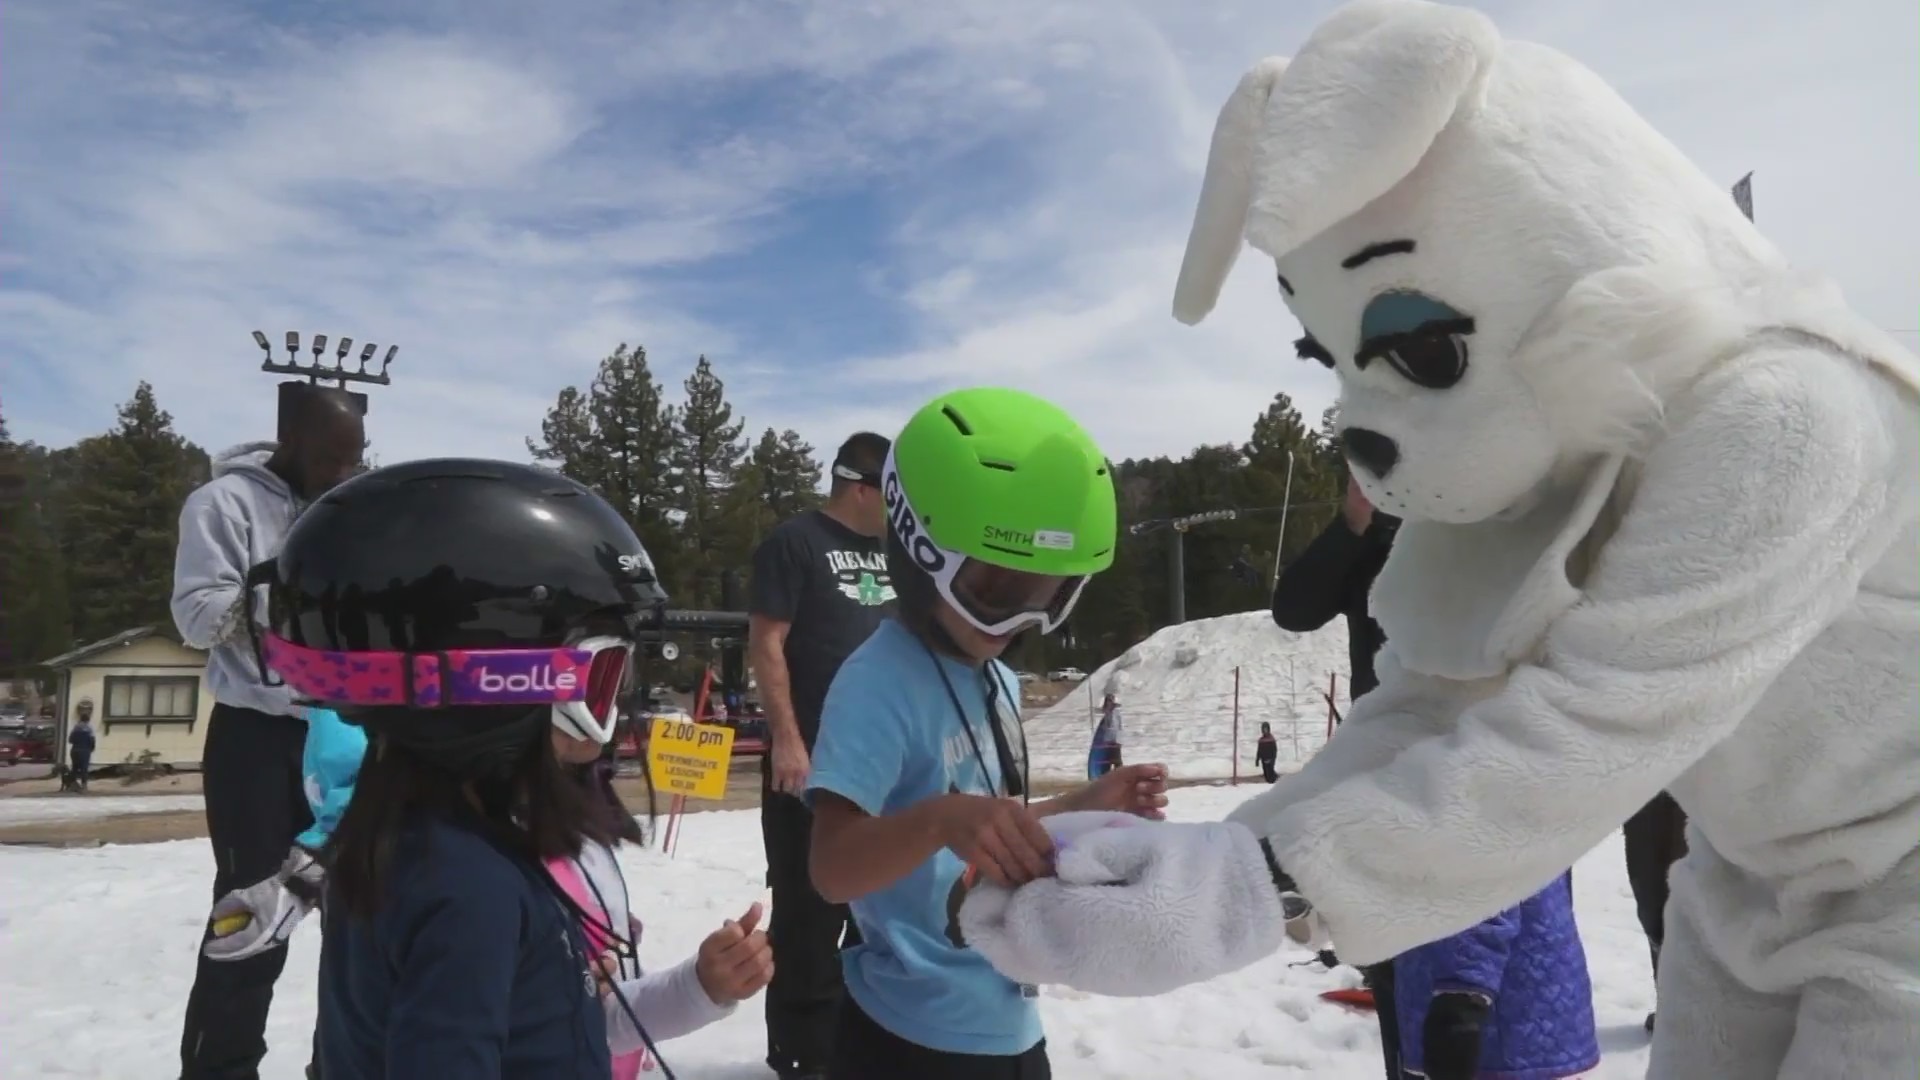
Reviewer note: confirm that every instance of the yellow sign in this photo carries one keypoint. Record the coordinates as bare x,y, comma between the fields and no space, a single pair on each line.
690,759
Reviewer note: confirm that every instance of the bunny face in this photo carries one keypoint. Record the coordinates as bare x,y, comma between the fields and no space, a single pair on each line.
1418,304
1450,216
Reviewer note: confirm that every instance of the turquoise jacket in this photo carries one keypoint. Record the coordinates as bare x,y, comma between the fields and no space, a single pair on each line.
329,765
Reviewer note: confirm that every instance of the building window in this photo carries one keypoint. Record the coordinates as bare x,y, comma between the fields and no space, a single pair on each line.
150,700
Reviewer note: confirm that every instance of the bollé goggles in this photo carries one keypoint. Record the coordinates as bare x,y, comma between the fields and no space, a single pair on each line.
582,681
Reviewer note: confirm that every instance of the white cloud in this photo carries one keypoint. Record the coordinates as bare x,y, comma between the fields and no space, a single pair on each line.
510,195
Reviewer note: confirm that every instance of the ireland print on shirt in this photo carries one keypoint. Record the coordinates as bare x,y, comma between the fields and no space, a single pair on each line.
862,576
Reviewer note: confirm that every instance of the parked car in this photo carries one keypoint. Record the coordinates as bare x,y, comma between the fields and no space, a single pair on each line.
1066,674
25,746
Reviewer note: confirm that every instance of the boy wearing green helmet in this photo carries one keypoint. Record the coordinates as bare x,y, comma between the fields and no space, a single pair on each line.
1000,509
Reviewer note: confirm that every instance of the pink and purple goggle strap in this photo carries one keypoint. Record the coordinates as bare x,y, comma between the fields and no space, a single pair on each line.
434,680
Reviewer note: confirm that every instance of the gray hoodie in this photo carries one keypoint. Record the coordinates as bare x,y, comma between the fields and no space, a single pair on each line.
228,524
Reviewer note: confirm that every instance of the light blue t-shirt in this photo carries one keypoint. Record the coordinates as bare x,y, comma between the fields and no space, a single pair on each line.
890,738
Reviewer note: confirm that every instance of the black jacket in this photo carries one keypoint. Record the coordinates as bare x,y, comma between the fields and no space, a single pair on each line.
1332,577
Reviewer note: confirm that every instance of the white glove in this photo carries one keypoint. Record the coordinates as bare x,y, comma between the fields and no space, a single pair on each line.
262,916
1136,908
233,621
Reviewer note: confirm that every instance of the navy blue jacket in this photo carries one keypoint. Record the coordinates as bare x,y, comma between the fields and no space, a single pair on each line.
1529,960
469,970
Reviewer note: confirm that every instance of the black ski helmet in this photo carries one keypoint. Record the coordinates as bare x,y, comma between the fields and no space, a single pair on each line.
450,589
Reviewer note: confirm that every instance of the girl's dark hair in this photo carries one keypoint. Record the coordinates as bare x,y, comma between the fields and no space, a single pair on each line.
536,809
617,819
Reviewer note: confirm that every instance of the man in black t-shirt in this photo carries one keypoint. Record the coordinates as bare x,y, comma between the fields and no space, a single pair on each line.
820,586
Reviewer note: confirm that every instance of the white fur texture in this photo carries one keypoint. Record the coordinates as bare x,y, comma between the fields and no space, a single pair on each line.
1100,923
1663,534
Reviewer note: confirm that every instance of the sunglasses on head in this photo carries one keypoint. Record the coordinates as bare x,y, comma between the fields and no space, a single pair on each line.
848,472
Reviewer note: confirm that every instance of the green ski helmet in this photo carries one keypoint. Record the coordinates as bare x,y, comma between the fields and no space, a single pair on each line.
1003,504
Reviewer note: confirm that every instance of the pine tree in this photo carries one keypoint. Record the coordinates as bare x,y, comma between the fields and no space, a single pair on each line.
1278,432
705,459
123,516
617,438
790,474
34,620
1329,438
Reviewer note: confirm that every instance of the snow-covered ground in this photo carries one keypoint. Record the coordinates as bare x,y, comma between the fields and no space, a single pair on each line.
1179,695
23,809
96,955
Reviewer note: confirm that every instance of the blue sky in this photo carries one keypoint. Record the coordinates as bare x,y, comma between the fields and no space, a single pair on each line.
846,205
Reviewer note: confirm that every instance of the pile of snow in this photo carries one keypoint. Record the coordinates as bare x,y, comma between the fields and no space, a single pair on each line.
97,953
1178,700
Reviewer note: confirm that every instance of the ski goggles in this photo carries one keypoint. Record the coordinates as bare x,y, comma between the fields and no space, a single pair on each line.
1000,601
996,600
581,681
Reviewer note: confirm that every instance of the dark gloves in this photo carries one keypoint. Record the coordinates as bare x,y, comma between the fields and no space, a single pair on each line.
1450,1042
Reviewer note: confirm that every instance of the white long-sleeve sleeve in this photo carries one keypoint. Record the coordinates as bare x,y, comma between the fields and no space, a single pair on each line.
670,1003
1777,485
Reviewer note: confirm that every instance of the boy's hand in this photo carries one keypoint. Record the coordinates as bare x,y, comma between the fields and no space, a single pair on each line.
1140,790
999,837
736,961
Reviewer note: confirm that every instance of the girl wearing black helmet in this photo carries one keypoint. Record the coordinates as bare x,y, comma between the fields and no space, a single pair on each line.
460,611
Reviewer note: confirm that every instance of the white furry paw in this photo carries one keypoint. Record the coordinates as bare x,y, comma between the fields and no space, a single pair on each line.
1133,911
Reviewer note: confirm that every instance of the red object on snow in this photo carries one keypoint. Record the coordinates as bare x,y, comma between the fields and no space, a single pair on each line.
1357,998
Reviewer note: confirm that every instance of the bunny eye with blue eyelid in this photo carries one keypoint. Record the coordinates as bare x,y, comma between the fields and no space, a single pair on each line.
1423,339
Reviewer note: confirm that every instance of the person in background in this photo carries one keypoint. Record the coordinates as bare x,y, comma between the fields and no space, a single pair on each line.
820,587
1332,577
1105,755
1509,999
251,761
1266,754
1656,838
80,744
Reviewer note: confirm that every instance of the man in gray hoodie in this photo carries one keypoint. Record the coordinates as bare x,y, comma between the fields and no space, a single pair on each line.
251,761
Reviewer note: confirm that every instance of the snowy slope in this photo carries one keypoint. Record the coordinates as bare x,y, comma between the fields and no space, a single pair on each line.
1176,694
97,948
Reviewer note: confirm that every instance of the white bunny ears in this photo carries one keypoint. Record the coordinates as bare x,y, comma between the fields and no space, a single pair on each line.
1303,144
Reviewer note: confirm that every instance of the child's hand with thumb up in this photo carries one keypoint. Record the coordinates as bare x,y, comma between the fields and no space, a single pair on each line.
735,962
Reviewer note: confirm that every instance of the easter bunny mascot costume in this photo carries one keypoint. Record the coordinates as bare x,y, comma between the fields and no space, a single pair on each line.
1661,496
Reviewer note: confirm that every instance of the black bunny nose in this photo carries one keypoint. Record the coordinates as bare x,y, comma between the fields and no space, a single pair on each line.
1370,450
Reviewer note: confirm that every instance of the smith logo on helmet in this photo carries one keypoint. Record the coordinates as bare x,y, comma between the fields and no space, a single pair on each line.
1008,537
926,554
636,564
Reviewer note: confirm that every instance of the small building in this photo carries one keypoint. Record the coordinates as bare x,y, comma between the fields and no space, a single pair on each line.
147,691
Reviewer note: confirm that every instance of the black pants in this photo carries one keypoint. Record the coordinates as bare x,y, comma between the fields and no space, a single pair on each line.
1656,838
863,1050
1380,978
806,933
82,768
250,773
